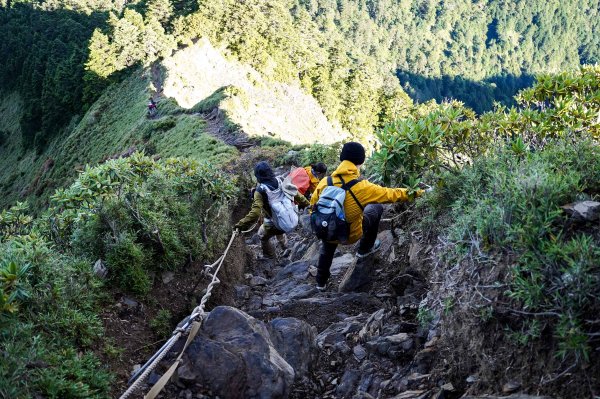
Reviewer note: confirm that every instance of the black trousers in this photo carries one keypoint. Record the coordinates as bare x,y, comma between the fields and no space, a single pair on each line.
370,226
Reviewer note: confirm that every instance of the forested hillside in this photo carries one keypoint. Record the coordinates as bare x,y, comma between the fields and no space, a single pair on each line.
488,283
61,55
477,51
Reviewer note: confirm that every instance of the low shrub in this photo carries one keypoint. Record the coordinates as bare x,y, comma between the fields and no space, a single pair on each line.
142,216
127,264
164,124
501,180
328,154
510,205
161,324
49,331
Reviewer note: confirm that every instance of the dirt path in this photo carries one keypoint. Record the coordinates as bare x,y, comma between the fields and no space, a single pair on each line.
217,127
370,344
364,343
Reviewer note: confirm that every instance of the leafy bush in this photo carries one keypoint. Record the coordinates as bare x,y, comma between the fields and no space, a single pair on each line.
48,334
501,180
127,262
450,136
328,154
407,149
510,204
142,215
15,221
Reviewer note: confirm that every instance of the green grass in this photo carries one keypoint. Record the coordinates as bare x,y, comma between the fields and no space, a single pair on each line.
115,123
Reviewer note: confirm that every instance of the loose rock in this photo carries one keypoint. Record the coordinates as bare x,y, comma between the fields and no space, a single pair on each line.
511,386
243,360
100,269
341,263
167,277
583,210
359,352
358,275
257,280
295,341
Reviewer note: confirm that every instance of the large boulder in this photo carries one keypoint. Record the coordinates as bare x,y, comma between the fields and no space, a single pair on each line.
295,341
358,275
583,210
234,356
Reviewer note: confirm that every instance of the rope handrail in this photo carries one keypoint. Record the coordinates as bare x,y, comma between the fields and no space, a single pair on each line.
190,327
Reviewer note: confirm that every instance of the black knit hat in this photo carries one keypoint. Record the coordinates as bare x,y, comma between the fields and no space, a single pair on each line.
264,174
353,152
319,167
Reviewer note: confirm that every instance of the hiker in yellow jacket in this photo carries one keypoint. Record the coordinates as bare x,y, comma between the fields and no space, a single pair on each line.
260,206
316,172
364,224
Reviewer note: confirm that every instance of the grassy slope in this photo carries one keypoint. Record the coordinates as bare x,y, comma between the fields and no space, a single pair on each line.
115,123
12,165
255,103
199,78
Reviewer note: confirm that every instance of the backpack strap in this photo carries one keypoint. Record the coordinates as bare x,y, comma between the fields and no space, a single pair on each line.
262,190
348,187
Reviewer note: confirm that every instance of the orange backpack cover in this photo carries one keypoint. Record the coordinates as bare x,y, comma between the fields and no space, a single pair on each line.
300,179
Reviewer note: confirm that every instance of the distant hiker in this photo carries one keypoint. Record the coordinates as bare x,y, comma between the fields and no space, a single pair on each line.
273,198
316,172
361,209
152,110
307,178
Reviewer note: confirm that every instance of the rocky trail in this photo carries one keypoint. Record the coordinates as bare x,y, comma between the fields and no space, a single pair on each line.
360,338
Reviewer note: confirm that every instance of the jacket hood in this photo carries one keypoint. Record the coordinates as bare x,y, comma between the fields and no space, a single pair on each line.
347,168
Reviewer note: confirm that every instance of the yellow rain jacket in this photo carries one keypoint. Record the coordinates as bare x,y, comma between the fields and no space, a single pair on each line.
314,181
366,193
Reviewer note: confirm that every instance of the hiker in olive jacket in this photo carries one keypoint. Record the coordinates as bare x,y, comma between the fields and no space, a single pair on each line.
260,206
364,216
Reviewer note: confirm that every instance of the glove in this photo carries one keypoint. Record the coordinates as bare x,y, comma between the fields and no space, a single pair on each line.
427,188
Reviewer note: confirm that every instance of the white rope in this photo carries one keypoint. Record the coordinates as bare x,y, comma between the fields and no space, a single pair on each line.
197,315
251,228
157,358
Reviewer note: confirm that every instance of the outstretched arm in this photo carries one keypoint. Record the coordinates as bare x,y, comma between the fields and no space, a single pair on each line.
375,194
253,215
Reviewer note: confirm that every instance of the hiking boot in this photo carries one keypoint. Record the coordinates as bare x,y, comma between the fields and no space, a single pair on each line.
374,249
321,288
283,241
267,249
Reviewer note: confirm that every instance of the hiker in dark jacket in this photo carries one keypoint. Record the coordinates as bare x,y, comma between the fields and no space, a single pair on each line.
260,206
